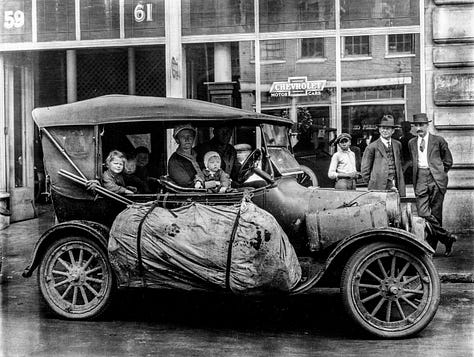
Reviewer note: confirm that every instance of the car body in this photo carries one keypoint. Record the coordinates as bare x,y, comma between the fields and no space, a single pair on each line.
364,242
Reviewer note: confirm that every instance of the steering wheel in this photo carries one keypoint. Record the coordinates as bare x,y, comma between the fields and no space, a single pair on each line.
247,168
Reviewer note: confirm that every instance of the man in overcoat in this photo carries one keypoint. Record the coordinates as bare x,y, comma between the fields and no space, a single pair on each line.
381,163
432,160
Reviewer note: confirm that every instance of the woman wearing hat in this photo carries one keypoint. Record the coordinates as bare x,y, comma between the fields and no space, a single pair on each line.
343,164
182,165
381,162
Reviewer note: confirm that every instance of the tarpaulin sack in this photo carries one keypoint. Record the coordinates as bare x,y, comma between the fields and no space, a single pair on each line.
200,247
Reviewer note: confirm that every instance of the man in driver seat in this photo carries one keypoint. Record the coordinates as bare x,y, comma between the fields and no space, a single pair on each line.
220,144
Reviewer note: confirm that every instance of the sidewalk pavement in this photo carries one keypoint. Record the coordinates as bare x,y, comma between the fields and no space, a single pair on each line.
457,268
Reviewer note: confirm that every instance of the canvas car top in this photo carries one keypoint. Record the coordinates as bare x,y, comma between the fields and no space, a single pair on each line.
128,108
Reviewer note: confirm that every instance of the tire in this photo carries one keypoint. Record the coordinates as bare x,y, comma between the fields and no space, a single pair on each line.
76,279
307,178
390,291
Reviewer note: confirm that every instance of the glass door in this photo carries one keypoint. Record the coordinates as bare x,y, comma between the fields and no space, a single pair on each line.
19,140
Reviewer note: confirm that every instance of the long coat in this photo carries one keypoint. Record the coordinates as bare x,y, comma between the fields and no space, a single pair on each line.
439,157
374,168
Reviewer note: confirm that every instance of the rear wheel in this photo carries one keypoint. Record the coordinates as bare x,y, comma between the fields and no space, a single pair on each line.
75,278
390,291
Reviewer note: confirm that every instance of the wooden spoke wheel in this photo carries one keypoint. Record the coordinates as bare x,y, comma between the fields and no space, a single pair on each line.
389,290
75,278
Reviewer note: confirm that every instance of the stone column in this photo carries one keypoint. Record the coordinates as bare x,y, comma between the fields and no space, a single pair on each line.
221,89
71,68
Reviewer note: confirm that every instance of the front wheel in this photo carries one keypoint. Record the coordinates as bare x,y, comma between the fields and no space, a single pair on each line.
390,291
75,278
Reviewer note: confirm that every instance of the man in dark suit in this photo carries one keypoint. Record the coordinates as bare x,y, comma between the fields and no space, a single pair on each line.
431,162
381,163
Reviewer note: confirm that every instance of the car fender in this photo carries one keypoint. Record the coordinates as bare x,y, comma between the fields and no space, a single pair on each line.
339,255
94,230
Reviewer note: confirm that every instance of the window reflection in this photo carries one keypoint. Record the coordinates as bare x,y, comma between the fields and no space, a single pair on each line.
280,15
207,17
378,13
311,48
99,19
357,46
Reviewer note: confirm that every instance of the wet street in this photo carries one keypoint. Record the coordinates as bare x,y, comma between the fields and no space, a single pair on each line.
172,324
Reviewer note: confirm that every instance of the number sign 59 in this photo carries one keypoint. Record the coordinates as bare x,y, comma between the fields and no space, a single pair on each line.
14,19
143,12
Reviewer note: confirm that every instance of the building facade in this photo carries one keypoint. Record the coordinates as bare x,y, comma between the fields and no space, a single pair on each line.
449,48
360,59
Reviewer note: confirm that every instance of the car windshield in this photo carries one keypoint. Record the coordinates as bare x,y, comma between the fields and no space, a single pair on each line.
284,161
275,135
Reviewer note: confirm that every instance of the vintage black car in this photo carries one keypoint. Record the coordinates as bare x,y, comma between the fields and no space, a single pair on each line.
366,243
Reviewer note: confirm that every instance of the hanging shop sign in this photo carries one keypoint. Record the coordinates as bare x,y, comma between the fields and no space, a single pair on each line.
297,86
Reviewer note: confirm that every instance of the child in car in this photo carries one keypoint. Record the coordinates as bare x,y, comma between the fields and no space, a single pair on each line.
112,178
130,177
215,179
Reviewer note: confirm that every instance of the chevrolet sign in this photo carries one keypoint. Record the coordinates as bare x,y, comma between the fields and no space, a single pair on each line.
297,86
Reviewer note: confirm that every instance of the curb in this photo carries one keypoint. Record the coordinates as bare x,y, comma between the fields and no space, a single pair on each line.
456,277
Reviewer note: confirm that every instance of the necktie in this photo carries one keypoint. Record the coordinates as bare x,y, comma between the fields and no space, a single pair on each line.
389,145
422,145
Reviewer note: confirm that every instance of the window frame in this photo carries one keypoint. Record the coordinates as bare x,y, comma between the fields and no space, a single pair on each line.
302,59
263,60
356,57
396,54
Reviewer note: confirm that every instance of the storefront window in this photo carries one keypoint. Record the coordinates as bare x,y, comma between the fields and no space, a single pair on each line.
361,121
144,19
100,19
209,17
379,13
16,21
232,64
101,72
280,15
56,20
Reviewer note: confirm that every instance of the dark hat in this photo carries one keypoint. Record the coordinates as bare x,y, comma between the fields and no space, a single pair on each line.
420,118
343,136
387,120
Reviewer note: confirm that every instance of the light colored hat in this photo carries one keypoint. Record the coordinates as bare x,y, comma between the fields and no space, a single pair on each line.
208,155
343,136
182,127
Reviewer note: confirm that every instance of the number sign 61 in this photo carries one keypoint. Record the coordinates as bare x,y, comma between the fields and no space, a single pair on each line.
14,19
143,12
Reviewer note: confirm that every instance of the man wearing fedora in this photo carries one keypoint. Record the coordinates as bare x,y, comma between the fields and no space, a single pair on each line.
381,163
431,162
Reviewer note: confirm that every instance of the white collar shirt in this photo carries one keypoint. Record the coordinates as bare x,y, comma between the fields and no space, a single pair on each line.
342,162
422,155
386,142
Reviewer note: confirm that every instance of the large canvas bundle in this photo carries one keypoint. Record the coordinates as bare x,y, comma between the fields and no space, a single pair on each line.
188,248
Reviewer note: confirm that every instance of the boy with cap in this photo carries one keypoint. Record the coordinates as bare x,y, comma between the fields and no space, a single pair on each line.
381,162
215,179
343,164
432,160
